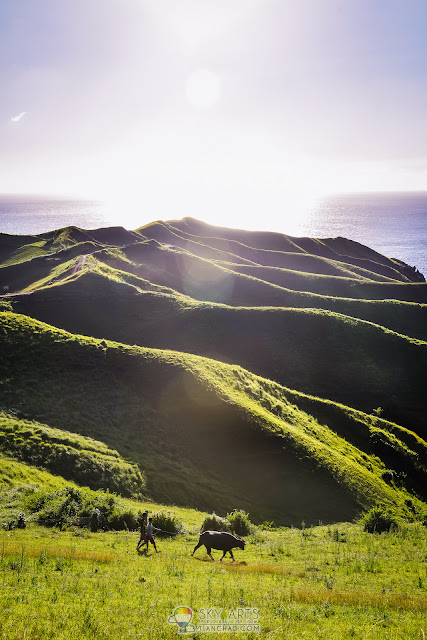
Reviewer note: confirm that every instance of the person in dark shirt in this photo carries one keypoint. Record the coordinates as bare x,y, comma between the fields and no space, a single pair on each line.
141,540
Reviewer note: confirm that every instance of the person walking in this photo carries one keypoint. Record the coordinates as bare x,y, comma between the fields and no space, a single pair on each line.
149,530
141,540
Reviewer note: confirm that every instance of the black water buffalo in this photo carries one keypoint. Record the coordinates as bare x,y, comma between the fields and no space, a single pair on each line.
219,540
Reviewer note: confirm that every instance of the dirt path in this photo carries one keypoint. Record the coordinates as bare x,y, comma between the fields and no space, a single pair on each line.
80,262
77,267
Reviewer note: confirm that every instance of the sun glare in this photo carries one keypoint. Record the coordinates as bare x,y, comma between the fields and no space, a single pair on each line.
193,22
203,89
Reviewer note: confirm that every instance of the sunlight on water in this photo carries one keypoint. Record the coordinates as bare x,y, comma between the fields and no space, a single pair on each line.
33,215
394,224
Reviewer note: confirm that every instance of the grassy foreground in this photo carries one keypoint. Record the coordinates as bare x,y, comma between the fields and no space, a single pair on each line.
322,582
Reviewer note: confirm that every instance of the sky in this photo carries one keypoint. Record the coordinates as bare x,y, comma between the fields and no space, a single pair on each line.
225,110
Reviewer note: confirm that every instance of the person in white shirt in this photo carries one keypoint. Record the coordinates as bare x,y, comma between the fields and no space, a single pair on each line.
149,530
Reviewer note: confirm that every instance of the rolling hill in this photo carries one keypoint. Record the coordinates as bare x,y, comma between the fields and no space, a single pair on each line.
217,368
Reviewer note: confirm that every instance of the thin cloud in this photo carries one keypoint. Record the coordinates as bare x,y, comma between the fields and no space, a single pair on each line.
19,117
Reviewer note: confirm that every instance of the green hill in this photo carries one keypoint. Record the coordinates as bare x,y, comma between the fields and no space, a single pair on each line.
216,368
206,434
313,350
340,249
88,462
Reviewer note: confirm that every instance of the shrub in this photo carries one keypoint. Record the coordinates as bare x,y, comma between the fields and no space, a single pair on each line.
167,522
379,519
239,522
71,504
19,522
215,523
123,520
35,499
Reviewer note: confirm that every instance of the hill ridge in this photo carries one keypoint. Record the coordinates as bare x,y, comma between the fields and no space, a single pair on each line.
226,379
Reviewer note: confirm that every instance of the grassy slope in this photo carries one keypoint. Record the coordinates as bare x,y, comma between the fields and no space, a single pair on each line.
312,264
291,257
166,235
212,435
16,474
199,278
232,440
207,281
347,284
18,480
315,351
128,291
220,282
16,249
340,249
87,461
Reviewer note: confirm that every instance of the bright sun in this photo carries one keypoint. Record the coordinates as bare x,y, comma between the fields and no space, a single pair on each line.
203,89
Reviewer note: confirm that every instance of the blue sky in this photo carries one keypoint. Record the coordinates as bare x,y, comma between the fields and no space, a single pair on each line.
207,107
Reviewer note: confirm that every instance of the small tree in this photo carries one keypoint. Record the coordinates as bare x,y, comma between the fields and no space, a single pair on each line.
239,522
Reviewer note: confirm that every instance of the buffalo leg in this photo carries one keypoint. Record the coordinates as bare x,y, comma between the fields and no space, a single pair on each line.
199,544
208,551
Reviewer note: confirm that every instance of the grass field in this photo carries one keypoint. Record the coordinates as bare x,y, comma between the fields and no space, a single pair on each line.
319,582
210,369
334,581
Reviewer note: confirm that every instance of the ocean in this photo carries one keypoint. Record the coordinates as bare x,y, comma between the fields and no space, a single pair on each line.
395,224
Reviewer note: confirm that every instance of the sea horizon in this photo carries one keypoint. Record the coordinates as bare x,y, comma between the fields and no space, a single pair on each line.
392,223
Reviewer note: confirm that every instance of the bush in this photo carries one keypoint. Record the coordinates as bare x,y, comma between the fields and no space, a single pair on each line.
239,523
379,519
215,523
19,522
71,504
167,522
123,520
